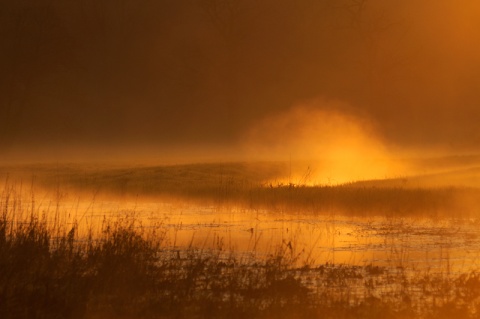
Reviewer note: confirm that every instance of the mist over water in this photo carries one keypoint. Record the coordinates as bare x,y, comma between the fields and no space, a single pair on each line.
274,106
336,146
254,158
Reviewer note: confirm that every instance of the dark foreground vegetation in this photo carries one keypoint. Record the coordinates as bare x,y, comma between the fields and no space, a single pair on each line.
48,270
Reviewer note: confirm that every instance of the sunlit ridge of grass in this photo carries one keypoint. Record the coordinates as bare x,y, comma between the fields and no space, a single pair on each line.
253,185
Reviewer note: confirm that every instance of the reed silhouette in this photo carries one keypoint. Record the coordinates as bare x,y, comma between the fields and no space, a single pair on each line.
126,270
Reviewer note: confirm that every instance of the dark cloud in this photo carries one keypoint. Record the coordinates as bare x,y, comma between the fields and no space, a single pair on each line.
193,72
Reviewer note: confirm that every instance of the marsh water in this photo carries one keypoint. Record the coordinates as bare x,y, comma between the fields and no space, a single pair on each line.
426,243
424,258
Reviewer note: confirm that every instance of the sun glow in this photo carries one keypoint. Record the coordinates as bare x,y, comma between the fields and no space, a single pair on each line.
338,148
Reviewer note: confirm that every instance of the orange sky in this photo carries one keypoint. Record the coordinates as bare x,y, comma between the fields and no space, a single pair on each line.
189,74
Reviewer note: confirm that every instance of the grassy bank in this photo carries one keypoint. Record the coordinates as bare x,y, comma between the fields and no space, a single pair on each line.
252,186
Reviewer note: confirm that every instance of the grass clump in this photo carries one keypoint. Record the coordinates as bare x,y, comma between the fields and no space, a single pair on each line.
122,274
41,276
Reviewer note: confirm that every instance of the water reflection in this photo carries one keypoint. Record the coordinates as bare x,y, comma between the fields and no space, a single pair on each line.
425,244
